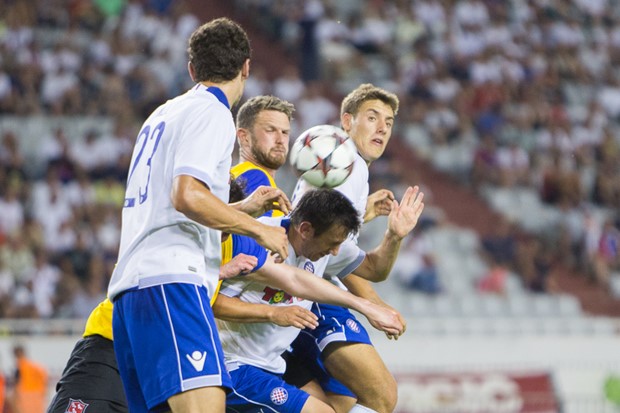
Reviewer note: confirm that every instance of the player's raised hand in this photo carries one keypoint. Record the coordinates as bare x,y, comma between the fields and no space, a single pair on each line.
241,264
265,198
379,203
404,216
384,319
294,316
275,240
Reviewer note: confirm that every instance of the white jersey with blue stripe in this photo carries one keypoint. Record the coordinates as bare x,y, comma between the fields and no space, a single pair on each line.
356,189
262,344
192,134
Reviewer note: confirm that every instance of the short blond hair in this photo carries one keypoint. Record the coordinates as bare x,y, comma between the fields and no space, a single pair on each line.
364,92
246,116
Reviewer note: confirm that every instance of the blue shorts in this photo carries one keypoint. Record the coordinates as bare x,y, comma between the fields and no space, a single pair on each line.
336,324
166,342
257,390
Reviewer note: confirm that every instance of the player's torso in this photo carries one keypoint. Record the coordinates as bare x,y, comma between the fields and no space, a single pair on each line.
261,344
156,239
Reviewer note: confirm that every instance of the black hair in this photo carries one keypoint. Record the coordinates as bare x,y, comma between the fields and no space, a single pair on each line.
323,208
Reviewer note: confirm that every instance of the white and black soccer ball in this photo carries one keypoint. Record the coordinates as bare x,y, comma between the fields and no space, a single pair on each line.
324,156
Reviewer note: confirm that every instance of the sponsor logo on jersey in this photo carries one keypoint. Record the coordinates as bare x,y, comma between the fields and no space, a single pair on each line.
309,266
353,325
76,406
276,296
197,359
279,396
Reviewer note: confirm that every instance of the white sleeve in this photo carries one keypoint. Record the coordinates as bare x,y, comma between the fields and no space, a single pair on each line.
349,257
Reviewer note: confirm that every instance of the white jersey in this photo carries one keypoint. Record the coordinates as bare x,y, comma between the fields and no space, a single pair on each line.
262,344
355,188
192,134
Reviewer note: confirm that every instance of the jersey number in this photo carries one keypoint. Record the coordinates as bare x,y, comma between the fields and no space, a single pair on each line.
151,139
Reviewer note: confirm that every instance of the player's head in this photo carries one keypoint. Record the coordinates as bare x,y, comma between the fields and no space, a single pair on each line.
263,127
367,115
219,51
321,221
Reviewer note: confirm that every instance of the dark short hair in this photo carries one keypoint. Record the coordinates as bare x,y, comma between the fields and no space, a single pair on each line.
252,107
323,208
365,92
237,190
217,50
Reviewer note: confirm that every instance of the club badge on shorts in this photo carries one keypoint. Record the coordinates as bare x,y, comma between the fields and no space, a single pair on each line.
353,325
76,406
279,396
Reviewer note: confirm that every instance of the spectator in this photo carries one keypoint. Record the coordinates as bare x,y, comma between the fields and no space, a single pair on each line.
30,384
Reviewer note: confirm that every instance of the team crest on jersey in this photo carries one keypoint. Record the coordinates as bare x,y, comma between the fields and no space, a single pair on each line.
309,266
76,406
353,325
276,296
279,396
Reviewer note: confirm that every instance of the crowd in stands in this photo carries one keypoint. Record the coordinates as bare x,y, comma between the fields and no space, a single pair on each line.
521,93
517,95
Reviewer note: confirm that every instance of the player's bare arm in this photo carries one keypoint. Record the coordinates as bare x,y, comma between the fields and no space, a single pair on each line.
379,203
362,288
401,221
263,199
233,309
192,198
305,285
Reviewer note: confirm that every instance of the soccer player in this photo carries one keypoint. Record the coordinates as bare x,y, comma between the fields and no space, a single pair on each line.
342,352
175,209
91,376
263,128
316,228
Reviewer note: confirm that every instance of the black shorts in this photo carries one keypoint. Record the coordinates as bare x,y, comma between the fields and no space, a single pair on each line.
90,378
297,373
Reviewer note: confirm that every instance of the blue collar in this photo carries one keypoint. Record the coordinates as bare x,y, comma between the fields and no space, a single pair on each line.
219,94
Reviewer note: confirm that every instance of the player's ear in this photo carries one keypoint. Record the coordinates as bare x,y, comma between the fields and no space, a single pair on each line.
245,70
345,120
305,229
243,136
191,70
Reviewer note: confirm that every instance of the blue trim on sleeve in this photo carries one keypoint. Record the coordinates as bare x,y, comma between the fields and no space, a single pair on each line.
247,245
196,173
351,267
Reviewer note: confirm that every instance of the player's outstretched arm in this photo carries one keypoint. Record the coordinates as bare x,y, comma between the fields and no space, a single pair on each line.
362,288
401,221
263,199
193,199
306,285
233,309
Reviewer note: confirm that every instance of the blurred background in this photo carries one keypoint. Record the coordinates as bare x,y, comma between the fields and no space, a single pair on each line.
509,121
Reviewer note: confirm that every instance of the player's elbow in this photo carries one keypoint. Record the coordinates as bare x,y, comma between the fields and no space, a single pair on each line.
183,196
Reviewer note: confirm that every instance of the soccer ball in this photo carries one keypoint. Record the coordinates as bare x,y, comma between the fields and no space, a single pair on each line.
324,156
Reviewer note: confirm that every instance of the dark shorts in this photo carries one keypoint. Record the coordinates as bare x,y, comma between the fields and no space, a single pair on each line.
90,381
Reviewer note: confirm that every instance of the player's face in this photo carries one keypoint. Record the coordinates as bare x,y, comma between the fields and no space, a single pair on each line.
269,138
328,242
370,129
